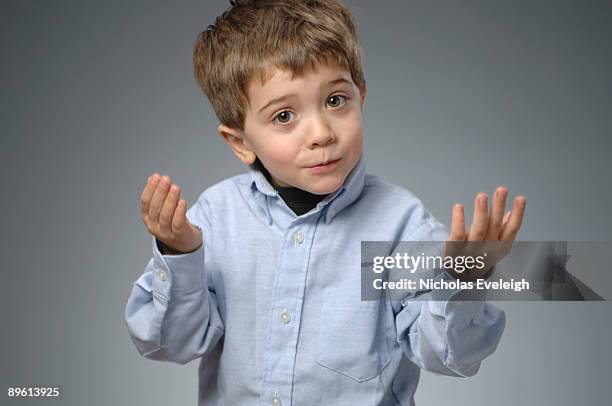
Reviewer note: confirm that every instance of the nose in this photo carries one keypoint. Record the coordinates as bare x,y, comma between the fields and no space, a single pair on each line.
320,132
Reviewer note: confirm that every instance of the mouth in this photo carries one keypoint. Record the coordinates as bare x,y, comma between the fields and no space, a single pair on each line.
324,164
324,167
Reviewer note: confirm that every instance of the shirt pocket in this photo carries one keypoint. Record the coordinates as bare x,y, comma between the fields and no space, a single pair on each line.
352,337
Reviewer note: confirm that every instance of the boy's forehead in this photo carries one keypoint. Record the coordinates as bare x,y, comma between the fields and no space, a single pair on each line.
273,80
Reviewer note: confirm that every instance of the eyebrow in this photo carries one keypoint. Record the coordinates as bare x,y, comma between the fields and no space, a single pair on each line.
289,96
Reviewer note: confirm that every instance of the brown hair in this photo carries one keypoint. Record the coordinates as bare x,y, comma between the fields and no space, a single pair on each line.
253,36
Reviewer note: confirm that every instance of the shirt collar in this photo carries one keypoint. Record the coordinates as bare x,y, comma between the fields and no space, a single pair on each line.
331,205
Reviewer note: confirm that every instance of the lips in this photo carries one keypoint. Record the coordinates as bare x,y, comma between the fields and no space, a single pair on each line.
324,163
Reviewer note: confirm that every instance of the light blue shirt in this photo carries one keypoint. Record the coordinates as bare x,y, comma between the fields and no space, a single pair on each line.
271,303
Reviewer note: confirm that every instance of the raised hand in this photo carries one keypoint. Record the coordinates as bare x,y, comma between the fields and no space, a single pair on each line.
487,226
164,214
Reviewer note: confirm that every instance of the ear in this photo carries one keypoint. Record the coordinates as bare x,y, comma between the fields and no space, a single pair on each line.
238,143
362,94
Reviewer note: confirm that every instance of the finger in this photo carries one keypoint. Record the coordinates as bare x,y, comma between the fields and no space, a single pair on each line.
457,232
506,217
511,228
167,211
481,218
497,213
179,220
158,198
147,194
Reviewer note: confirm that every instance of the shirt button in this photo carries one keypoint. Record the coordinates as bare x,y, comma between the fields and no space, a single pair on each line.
162,275
276,399
298,238
285,317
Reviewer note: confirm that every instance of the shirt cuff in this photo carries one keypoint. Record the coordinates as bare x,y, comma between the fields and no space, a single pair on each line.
178,273
448,303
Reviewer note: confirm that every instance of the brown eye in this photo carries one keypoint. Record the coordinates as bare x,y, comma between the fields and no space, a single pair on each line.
283,117
336,100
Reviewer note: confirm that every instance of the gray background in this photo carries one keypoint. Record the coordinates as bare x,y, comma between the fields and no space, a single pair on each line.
463,96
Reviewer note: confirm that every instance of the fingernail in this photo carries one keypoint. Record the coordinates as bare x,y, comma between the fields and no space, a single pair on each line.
483,200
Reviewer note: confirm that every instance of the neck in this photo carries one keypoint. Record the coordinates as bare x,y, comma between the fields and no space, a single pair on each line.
298,200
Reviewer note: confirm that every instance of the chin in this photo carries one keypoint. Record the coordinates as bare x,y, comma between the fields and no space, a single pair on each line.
325,188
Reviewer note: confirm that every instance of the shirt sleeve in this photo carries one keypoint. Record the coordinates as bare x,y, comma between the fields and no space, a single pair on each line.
172,312
446,336
449,337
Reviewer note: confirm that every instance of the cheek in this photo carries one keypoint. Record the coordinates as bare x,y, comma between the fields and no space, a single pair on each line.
280,151
357,145
354,130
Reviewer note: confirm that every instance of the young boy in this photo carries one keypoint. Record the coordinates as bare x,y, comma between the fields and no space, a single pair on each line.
260,278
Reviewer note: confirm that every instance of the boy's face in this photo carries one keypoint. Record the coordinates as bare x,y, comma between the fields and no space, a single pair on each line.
295,125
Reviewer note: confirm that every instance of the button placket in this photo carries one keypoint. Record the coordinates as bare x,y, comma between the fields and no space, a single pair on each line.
284,330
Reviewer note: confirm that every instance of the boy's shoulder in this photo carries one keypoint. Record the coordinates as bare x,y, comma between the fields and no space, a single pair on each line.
374,187
379,200
384,192
378,194
220,191
377,185
394,203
